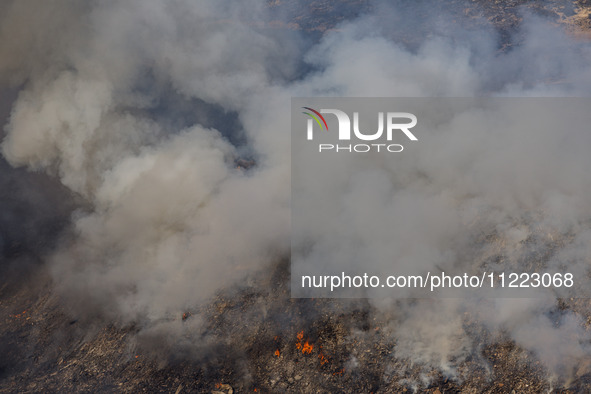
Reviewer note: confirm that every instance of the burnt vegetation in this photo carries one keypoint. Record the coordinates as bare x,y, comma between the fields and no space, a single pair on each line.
256,339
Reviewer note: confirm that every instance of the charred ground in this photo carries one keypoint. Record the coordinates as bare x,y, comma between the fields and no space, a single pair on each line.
297,345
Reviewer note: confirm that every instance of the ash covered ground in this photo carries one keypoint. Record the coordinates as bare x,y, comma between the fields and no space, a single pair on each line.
144,215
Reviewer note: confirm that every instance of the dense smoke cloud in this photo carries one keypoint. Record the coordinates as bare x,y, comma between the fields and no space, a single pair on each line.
172,219
169,218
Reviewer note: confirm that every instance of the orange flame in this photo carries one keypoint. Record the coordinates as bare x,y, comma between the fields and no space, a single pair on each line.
18,315
277,353
307,348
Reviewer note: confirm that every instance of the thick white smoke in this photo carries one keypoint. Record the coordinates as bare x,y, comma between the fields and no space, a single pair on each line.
172,220
515,192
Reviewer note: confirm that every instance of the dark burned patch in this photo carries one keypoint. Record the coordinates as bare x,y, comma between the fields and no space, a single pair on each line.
34,211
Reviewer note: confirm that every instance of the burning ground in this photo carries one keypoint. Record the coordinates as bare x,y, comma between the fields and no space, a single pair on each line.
258,340
145,197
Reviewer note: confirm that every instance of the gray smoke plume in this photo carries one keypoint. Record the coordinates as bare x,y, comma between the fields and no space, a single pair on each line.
143,109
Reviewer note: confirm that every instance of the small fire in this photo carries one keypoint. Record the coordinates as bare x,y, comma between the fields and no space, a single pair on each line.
277,353
18,315
323,360
340,373
306,347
